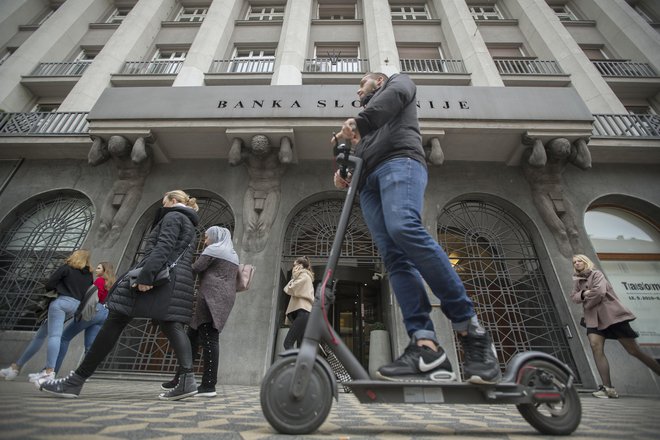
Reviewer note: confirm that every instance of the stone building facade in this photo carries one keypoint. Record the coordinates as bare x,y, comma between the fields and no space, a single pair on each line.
539,120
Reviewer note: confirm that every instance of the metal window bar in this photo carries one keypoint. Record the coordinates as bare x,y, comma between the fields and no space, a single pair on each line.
336,65
44,123
244,65
515,66
626,125
74,68
625,68
164,67
497,262
432,66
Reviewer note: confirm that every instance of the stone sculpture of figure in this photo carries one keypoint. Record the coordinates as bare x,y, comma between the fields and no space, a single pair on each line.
543,167
133,163
265,166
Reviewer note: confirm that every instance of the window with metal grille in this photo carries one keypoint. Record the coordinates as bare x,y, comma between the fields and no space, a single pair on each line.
191,15
486,12
35,240
265,13
416,12
497,262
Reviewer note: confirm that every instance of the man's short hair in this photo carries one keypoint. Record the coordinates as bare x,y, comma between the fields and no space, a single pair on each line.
376,75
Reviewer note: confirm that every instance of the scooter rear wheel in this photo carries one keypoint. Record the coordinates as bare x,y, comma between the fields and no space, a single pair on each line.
554,418
287,414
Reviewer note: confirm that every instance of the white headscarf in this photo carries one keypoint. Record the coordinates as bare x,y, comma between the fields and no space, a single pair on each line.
221,245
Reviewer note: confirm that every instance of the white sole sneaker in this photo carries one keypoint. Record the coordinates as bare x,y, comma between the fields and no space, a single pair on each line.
207,394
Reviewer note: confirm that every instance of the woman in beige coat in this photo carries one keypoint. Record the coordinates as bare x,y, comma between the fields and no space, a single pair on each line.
605,318
301,290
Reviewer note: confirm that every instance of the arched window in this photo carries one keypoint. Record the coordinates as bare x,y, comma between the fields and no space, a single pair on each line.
496,259
142,347
36,239
628,247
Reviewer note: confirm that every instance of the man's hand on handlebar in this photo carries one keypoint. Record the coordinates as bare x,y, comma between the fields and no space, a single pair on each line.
340,182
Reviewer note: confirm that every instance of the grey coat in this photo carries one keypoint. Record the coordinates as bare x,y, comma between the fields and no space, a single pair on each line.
173,301
216,293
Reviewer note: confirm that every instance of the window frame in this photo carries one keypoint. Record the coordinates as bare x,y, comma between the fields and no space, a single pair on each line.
567,12
118,15
191,14
267,13
496,14
320,5
408,13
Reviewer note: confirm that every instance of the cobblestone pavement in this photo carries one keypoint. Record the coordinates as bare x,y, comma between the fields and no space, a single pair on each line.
129,409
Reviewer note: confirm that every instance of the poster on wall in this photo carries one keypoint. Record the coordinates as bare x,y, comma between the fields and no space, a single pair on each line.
637,284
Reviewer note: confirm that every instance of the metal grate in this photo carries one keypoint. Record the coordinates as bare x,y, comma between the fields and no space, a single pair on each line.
36,243
496,260
312,232
142,347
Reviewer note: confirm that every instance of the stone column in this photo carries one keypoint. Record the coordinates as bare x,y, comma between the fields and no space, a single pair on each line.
14,13
292,47
53,41
379,37
465,42
215,32
127,43
547,34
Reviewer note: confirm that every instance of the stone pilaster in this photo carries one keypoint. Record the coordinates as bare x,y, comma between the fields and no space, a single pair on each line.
379,37
294,40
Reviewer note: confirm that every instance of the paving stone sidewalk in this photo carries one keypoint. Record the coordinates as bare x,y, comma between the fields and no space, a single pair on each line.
129,409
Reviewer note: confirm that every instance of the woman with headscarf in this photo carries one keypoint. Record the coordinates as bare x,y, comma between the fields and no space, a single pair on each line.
217,268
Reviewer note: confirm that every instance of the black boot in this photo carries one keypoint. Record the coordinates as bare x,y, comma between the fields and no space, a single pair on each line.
186,387
68,387
166,386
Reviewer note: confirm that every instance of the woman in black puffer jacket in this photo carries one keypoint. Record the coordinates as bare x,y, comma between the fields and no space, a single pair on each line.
169,241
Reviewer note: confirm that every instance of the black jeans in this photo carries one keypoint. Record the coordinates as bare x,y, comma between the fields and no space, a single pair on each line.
210,339
111,331
297,331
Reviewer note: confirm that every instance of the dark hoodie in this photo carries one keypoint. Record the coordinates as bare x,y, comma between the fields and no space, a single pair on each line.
67,281
388,125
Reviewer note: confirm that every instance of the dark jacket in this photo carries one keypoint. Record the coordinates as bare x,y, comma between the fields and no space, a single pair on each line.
602,307
388,125
174,232
217,291
67,281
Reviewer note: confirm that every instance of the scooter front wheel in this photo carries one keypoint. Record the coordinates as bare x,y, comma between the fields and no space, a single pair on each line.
287,414
554,418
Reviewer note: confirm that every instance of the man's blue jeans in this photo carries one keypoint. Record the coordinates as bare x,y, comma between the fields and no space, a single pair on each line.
392,200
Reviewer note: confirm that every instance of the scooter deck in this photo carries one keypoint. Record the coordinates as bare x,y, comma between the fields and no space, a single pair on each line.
374,391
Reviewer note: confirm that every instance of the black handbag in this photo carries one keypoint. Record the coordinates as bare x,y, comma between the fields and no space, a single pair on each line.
162,277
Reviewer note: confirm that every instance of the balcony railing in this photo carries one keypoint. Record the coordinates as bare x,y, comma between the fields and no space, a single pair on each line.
518,66
334,65
75,68
151,67
37,123
627,125
432,66
628,69
244,65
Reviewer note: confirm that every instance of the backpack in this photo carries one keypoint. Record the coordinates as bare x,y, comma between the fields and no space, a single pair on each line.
87,307
244,277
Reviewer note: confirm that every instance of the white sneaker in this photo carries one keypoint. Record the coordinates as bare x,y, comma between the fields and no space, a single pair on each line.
8,373
42,377
34,376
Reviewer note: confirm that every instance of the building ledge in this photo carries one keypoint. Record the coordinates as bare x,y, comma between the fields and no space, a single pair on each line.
219,79
50,86
45,147
128,80
444,79
502,22
535,80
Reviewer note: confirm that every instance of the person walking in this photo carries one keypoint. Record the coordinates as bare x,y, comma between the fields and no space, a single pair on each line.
605,318
301,290
217,267
386,136
169,303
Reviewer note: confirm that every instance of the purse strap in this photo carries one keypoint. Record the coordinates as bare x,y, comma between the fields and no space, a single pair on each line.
179,257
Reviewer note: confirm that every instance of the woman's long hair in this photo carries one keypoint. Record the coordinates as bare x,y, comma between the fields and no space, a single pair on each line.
79,260
108,274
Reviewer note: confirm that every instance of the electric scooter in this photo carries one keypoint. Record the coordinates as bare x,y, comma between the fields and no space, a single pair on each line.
297,390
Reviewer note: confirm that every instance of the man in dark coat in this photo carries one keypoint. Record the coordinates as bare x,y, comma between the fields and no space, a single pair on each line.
168,243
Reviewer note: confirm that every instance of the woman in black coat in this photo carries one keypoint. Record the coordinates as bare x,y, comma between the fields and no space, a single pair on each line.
170,303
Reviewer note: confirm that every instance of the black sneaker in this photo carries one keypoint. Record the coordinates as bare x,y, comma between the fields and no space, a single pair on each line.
203,391
166,386
481,365
419,364
68,387
186,387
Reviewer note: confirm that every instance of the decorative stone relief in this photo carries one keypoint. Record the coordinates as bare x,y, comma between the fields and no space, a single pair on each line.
133,163
265,166
543,167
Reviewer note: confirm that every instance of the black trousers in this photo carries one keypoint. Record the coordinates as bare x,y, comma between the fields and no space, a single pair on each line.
297,331
111,331
209,338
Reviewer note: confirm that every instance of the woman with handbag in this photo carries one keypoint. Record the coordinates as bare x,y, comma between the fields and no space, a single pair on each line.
169,302
301,290
217,268
70,281
605,318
